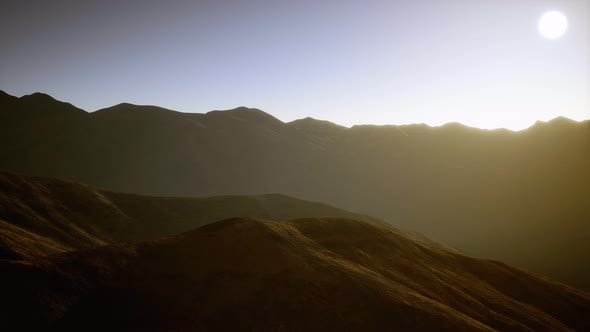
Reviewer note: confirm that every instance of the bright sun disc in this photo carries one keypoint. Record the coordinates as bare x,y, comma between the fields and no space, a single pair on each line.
552,25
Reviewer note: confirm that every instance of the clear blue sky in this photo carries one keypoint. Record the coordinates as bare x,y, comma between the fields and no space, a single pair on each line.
479,62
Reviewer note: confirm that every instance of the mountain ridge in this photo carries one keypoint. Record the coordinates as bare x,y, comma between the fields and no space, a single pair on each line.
518,197
124,105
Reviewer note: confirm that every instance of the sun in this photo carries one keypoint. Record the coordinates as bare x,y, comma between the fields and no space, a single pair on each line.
552,25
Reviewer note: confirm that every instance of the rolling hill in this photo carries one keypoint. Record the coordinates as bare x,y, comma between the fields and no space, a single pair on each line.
42,216
307,274
521,197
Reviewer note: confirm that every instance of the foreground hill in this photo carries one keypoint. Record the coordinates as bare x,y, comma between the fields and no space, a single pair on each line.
520,197
300,275
40,216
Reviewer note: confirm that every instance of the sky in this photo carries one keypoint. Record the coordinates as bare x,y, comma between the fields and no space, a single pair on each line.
479,62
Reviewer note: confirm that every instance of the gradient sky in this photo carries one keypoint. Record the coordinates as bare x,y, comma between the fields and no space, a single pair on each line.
479,62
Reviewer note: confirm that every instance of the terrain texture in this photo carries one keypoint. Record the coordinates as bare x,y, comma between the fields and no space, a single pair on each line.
43,216
306,274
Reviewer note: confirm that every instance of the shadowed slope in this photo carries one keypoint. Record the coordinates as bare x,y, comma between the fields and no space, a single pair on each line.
311,274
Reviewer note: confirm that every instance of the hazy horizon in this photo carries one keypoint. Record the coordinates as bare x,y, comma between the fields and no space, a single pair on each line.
305,117
480,63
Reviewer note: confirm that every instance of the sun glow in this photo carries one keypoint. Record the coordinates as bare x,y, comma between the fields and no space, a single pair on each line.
552,25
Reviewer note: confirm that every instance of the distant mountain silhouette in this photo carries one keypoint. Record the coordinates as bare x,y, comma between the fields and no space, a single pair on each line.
301,275
43,216
516,196
313,126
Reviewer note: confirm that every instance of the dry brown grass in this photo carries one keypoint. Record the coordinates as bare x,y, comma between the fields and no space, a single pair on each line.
306,274
40,216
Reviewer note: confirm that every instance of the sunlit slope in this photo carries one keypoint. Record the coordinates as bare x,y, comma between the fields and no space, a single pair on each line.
40,216
301,275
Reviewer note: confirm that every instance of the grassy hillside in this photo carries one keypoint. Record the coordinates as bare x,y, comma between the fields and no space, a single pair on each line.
300,275
40,216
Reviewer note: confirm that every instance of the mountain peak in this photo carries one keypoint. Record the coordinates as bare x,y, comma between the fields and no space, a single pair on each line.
45,102
39,96
310,120
455,125
314,125
245,114
562,120
128,108
555,122
245,109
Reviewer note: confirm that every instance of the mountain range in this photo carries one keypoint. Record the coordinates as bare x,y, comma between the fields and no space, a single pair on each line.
521,197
